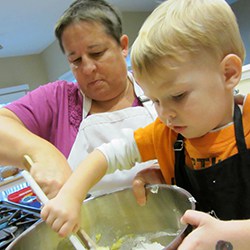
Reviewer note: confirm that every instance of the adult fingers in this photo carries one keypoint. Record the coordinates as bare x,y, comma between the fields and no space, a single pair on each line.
194,218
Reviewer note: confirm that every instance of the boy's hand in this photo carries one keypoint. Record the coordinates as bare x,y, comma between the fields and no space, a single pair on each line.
151,175
62,214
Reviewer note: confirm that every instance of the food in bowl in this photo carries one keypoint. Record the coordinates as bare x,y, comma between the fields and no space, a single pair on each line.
114,215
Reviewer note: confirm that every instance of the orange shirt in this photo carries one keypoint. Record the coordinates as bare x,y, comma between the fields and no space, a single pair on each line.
156,141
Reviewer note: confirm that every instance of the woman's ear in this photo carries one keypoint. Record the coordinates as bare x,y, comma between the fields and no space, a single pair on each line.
124,41
232,69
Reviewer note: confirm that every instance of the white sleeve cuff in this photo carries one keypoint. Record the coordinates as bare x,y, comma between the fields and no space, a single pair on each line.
121,153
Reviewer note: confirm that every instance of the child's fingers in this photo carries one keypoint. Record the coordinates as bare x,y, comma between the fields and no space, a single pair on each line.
57,225
67,228
139,191
44,213
76,228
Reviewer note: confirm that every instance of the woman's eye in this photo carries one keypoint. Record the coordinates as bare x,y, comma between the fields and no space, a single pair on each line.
97,54
76,62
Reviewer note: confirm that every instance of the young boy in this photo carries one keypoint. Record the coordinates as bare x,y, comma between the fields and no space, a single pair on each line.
187,58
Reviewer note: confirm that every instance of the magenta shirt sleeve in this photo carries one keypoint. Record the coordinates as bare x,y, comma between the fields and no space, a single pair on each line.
53,112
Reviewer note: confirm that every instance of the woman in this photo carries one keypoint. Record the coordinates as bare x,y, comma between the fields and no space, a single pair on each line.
46,121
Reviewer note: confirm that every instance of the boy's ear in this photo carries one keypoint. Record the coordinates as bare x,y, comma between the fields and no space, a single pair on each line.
124,41
232,69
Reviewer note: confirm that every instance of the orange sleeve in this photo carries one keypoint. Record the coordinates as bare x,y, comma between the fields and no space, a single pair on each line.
156,141
145,143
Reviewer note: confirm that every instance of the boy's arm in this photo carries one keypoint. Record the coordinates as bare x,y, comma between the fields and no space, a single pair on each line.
121,153
62,213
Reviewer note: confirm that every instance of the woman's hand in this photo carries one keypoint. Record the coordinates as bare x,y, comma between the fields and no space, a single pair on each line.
151,175
50,168
210,233
50,172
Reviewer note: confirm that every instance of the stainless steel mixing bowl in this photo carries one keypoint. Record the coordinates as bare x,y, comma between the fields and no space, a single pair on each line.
116,218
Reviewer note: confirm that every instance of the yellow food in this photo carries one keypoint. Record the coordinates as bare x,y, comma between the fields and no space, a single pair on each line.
117,245
98,237
119,242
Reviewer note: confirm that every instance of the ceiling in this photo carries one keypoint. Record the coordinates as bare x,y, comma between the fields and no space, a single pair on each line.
27,26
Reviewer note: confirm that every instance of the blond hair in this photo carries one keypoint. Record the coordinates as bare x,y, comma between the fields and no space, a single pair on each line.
186,26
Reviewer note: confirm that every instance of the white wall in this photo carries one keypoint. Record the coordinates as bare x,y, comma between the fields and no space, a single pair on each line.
22,70
244,85
241,9
10,94
55,61
36,70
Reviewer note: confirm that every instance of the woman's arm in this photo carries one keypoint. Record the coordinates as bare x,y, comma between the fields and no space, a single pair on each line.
50,167
211,233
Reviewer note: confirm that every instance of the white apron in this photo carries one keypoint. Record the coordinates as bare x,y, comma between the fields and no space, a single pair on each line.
100,128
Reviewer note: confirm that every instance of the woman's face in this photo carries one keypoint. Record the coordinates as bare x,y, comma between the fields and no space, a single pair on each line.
97,61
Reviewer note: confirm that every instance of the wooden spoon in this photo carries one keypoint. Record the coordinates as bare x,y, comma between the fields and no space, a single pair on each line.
88,242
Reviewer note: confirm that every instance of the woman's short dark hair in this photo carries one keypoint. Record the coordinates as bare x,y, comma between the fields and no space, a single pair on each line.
93,11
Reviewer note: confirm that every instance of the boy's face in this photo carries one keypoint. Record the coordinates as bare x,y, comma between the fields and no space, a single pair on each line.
192,99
